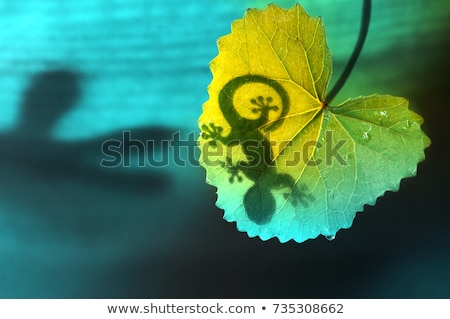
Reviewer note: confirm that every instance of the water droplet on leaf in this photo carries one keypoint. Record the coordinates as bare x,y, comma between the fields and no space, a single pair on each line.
406,125
366,136
330,238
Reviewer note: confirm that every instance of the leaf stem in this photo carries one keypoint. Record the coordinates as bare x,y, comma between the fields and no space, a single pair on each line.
365,21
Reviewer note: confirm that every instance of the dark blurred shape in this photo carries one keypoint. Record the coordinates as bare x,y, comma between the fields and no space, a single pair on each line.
50,96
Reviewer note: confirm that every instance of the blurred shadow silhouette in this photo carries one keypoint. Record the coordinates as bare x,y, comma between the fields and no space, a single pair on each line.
50,95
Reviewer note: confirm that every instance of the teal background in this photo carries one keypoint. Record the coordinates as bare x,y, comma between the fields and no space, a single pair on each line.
75,73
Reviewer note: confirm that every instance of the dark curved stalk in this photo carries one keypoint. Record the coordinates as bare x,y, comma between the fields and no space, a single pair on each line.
365,21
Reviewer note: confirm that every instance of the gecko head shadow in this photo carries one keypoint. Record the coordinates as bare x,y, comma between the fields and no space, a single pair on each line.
259,204
259,200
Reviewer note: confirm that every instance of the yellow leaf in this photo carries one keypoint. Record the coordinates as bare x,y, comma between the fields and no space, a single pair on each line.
285,164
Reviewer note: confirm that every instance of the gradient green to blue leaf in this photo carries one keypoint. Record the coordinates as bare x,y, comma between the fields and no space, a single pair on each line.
359,149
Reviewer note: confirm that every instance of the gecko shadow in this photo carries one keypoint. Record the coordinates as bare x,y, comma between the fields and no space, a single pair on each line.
30,146
259,201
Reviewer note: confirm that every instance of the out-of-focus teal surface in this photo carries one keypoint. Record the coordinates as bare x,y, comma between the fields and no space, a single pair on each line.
76,73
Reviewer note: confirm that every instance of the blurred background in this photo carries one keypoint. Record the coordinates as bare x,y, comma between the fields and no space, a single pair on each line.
74,74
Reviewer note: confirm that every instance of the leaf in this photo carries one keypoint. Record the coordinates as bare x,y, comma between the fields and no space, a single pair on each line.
285,164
